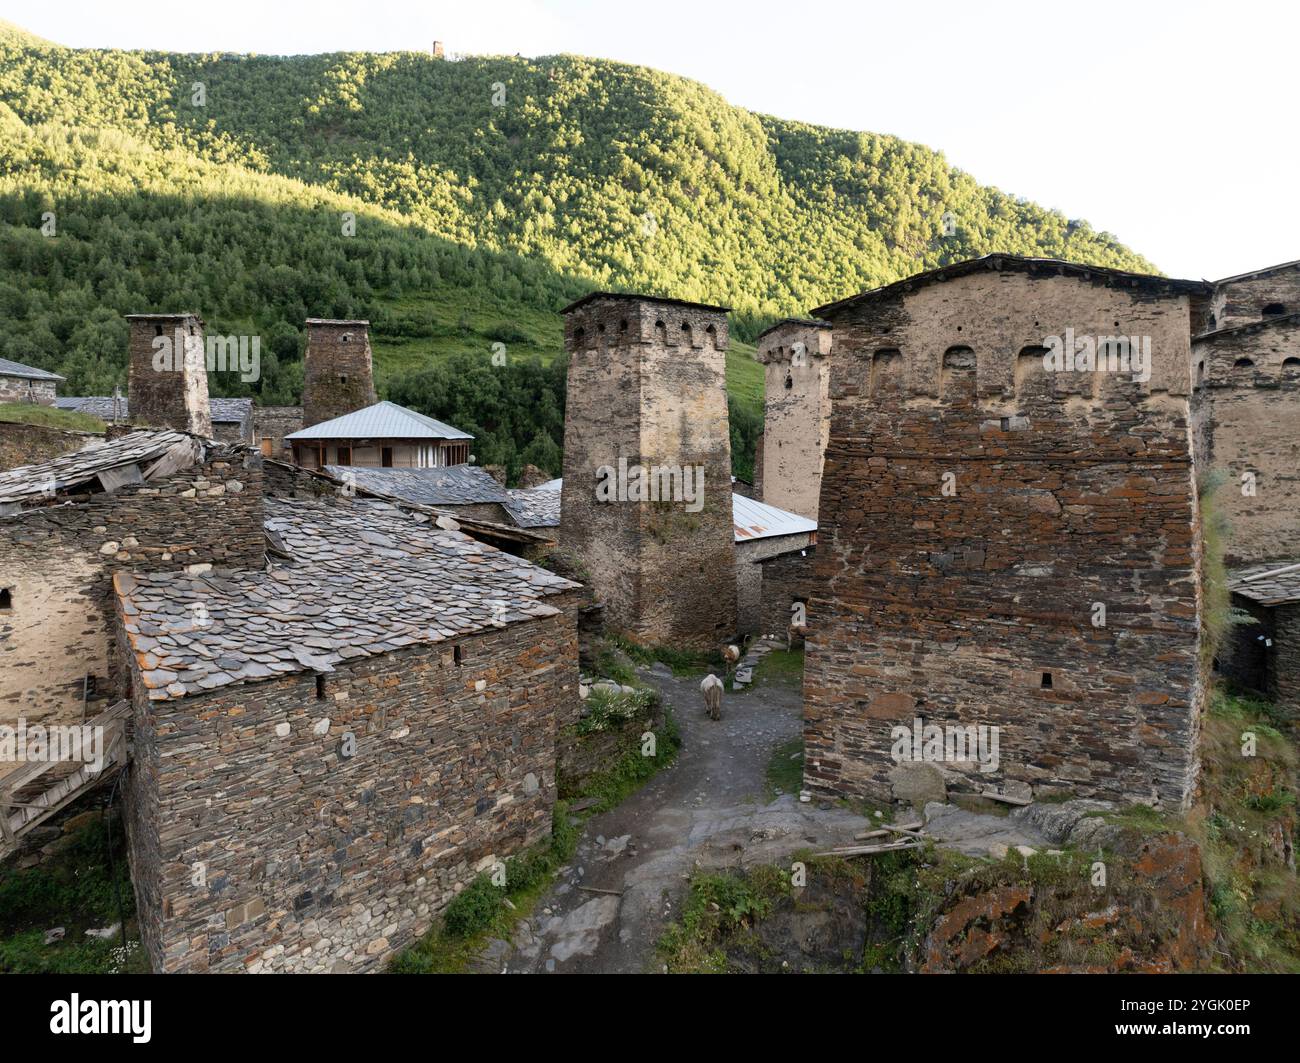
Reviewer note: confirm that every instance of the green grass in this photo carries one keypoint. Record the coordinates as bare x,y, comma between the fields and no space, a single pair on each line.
49,417
74,889
781,666
785,769
682,662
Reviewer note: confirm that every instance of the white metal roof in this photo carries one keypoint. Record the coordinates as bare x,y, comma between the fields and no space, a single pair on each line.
383,420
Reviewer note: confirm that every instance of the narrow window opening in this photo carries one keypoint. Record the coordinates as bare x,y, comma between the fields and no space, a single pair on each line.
458,655
320,688
1274,310
789,381
1243,363
6,598
1046,682
343,378
386,457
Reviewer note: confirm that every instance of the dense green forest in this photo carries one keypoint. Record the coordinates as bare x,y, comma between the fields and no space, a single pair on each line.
483,194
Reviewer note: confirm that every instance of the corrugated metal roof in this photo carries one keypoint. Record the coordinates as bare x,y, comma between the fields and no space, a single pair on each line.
27,372
752,520
383,420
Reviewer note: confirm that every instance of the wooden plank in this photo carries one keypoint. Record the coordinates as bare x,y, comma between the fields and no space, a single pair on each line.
1007,799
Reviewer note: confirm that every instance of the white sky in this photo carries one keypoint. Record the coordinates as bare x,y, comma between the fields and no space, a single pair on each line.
1172,125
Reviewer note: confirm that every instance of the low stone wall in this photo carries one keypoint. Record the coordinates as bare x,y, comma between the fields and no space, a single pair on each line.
258,845
581,758
27,444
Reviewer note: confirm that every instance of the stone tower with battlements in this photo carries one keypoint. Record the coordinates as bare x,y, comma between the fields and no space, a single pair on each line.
167,380
338,370
796,414
646,501
1008,544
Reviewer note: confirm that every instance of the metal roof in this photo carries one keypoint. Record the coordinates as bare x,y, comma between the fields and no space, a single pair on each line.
752,520
224,411
27,372
451,485
383,420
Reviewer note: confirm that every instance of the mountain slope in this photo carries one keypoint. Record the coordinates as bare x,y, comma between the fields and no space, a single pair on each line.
220,183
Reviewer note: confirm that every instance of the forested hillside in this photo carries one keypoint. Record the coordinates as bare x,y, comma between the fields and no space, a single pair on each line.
486,193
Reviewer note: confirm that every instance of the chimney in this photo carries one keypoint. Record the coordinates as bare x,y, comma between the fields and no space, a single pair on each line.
338,373
167,378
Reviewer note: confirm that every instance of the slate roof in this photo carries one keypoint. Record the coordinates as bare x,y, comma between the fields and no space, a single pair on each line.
1271,583
452,485
1002,262
540,507
383,420
155,453
26,372
363,577
224,411
636,297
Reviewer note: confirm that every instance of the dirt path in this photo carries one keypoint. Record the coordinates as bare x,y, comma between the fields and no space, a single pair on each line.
709,809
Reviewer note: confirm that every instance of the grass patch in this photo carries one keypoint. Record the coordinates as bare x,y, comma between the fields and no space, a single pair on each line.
632,770
781,666
49,417
785,769
76,890
682,662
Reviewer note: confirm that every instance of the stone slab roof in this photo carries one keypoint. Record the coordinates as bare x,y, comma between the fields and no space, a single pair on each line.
155,453
1272,583
452,485
535,507
26,372
1019,263
383,420
635,297
224,411
360,577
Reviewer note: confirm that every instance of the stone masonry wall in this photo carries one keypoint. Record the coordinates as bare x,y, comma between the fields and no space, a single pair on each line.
750,576
1248,421
338,371
312,861
647,384
976,607
58,564
796,414
273,423
27,444
175,396
787,579
24,389
1285,665
1243,302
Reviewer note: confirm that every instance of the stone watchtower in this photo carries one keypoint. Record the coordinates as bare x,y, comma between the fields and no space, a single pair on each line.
338,371
167,380
1008,538
796,415
646,502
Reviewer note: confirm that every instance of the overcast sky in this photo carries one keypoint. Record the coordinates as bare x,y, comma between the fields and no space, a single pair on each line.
1171,125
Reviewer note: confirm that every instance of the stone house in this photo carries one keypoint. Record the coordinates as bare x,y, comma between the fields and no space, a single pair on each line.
232,419
342,740
383,435
1249,297
1263,651
646,403
25,383
1004,546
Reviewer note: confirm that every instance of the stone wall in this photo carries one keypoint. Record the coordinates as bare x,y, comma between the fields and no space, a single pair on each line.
787,579
24,389
1284,670
1243,301
271,424
338,372
646,384
58,563
974,509
313,861
1248,421
796,414
750,576
27,444
175,395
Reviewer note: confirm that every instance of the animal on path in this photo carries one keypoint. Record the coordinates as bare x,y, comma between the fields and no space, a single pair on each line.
711,688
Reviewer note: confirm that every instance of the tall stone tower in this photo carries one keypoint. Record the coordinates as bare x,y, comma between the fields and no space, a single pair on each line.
796,414
1008,544
338,370
646,502
167,383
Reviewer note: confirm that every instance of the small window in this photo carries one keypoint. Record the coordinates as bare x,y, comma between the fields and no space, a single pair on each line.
157,330
1243,363
1291,367
347,337
1274,310
6,598
789,381
458,655
320,688
343,378
1046,681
